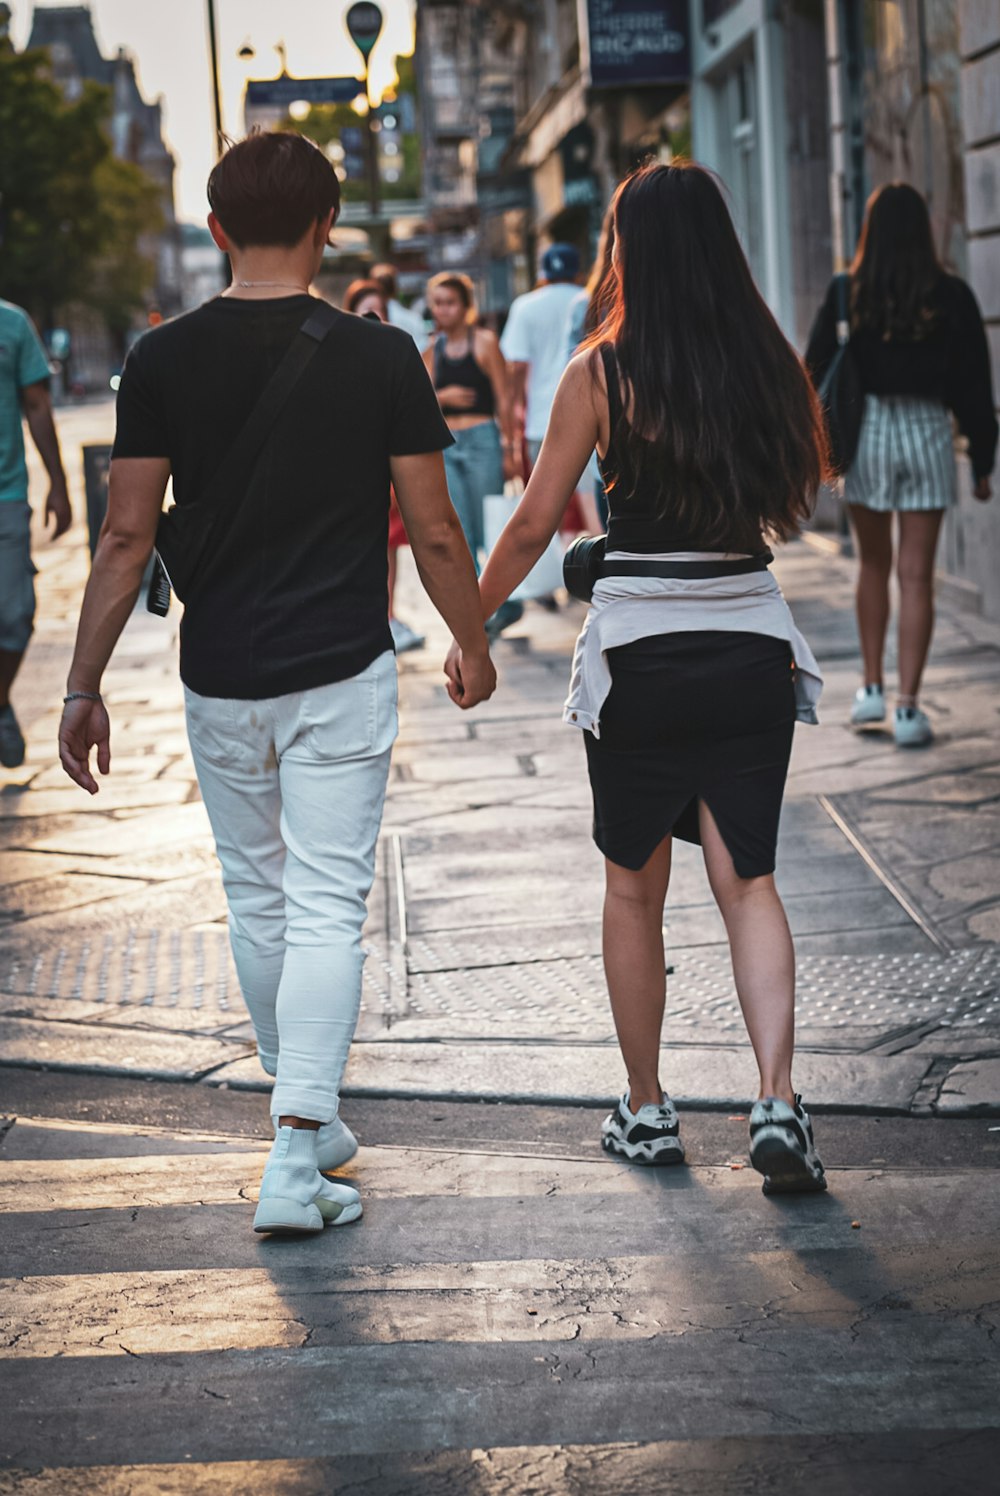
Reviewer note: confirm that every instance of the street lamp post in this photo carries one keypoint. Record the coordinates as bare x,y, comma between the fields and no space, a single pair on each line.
213,49
364,24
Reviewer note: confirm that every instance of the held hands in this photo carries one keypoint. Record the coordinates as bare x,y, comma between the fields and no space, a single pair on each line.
57,509
511,464
471,678
982,490
84,725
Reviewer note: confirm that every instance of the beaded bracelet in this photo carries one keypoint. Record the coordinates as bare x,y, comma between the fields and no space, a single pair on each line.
82,696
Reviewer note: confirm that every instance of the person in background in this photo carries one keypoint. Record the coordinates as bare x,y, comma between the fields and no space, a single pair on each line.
689,674
470,378
399,315
366,298
917,340
534,342
24,391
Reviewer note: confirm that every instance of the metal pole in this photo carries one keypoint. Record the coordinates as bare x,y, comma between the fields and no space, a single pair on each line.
373,182
213,49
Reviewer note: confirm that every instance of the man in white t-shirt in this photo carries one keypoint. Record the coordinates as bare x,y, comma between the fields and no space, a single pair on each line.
534,341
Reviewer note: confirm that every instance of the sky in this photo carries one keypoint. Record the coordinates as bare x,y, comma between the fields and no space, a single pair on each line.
168,39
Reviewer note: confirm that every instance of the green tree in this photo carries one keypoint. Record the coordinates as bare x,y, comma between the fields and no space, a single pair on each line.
71,216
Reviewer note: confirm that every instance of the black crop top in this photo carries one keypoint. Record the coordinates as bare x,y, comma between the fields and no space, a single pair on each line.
467,372
636,520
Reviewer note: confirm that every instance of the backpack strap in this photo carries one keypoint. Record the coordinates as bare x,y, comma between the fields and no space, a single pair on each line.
843,309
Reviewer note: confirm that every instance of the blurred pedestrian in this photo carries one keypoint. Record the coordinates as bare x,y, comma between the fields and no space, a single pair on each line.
470,378
366,298
24,392
399,315
534,342
917,342
689,673
281,423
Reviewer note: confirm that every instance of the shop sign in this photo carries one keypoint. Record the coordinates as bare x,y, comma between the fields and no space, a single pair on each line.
629,42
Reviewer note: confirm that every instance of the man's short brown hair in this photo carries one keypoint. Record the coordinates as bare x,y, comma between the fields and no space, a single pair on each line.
271,188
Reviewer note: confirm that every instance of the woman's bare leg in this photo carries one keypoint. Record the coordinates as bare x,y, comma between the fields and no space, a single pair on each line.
873,535
760,943
635,967
918,538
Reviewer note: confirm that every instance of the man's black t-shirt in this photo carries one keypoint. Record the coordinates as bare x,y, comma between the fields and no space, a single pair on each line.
306,603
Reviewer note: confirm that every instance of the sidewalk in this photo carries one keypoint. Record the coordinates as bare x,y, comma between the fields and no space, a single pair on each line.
484,977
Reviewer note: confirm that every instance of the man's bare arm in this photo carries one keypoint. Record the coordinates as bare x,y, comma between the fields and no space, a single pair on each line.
135,497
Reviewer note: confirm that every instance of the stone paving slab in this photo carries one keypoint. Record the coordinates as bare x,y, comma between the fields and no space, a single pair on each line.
103,1050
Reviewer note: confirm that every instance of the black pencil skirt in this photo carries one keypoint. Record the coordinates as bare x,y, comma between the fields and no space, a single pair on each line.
693,716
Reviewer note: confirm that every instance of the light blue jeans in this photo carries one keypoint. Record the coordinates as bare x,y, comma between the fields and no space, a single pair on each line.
294,788
474,468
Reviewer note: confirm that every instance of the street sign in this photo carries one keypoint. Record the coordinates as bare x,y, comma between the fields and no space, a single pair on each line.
364,23
629,42
284,91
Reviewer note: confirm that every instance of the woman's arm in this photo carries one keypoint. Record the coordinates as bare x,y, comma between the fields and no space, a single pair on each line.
571,437
487,351
970,391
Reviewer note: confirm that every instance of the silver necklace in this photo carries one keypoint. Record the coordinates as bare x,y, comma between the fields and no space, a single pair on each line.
277,285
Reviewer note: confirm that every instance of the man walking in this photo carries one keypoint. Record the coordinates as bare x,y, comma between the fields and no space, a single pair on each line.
24,391
286,655
534,341
399,315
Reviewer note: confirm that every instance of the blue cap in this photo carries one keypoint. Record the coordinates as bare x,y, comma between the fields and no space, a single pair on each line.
560,262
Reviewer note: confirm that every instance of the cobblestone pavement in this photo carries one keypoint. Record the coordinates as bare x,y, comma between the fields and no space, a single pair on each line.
484,975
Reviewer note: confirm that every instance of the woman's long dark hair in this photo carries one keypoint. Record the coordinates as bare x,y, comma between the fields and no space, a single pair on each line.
723,422
895,268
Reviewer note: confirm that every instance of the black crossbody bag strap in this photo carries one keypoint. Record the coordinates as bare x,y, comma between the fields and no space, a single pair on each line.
230,484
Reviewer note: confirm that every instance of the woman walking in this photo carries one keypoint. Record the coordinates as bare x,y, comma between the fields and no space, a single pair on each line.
917,340
710,438
470,378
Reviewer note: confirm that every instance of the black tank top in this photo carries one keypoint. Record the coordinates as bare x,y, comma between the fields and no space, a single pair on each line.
636,518
466,372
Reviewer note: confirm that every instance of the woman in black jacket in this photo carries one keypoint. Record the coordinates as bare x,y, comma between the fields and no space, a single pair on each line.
917,341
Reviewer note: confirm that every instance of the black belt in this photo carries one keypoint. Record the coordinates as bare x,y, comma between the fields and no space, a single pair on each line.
638,567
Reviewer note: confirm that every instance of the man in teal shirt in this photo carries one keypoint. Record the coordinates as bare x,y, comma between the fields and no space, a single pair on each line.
24,390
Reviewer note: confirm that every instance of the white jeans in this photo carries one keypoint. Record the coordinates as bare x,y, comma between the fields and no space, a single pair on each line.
294,788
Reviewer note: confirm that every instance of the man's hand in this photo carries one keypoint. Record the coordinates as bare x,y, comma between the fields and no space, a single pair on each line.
57,509
471,678
84,726
982,490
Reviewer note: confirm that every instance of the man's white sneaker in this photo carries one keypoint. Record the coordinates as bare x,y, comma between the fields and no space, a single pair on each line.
338,1203
649,1136
291,1183
782,1147
869,706
911,727
336,1145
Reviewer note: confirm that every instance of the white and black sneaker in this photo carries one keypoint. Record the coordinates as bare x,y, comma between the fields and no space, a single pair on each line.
782,1147
649,1136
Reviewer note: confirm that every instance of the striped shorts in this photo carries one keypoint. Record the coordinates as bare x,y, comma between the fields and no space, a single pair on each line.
905,458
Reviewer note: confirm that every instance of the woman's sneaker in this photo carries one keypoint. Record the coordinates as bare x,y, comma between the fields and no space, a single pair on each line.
869,706
648,1136
911,727
336,1145
782,1147
295,1199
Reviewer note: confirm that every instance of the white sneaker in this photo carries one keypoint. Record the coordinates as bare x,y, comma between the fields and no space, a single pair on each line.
403,637
911,727
295,1199
869,706
782,1147
649,1136
336,1145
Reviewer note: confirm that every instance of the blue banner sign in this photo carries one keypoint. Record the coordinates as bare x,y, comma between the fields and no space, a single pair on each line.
284,91
637,41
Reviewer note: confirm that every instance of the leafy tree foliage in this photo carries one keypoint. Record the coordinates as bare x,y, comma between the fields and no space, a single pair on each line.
71,215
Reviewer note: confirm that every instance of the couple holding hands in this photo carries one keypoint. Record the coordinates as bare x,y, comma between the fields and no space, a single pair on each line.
688,676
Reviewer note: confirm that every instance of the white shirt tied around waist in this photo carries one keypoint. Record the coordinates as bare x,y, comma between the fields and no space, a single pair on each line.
624,609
